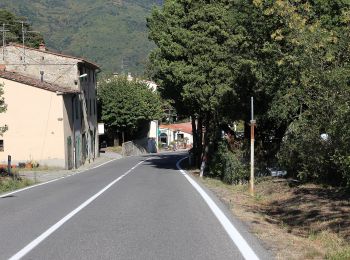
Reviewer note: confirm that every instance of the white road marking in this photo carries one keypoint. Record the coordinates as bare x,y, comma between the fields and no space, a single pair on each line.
47,182
53,228
236,237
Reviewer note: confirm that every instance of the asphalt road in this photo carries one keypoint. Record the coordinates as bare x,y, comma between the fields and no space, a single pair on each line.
133,208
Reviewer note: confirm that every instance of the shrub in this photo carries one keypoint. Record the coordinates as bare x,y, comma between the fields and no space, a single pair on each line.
228,166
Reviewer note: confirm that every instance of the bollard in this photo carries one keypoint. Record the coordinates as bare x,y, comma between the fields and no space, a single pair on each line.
9,165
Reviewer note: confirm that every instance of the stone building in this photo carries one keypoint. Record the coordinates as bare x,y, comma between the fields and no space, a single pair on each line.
73,93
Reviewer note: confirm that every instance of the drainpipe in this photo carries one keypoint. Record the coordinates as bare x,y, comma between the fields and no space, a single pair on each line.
73,129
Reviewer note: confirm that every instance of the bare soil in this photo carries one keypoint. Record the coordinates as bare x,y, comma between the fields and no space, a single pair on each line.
293,221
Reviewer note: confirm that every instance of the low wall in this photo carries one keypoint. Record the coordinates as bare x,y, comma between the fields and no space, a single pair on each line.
135,147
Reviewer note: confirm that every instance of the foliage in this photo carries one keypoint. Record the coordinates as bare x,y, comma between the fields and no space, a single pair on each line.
110,32
8,184
292,56
126,105
12,23
228,165
3,108
191,62
317,100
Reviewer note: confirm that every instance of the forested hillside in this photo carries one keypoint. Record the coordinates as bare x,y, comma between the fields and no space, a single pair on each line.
110,32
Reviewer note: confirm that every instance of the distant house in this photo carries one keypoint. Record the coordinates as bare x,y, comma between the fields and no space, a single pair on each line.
51,107
181,132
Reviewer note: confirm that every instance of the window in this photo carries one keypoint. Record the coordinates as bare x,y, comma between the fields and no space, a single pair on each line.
1,145
180,136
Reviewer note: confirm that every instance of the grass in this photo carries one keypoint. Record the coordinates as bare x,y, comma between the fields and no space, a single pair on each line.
8,184
114,149
294,221
341,254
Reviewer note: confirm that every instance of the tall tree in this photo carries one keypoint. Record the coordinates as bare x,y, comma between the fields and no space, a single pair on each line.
127,105
190,63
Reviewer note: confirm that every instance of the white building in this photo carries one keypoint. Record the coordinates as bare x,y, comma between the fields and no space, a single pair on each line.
181,132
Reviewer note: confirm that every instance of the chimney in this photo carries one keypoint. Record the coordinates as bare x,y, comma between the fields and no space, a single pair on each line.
42,46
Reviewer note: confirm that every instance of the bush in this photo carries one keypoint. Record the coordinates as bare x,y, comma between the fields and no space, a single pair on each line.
309,158
228,165
8,184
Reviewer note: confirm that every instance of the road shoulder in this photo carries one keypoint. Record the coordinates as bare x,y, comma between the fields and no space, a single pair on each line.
243,230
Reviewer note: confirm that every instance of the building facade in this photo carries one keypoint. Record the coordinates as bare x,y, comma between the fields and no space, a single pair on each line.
178,133
74,94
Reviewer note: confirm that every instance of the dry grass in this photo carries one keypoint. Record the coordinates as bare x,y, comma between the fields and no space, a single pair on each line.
8,184
294,222
114,149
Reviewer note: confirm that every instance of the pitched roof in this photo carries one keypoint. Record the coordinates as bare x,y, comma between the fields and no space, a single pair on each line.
57,54
183,127
13,76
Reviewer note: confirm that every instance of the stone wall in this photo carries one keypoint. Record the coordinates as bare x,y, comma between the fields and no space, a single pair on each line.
60,70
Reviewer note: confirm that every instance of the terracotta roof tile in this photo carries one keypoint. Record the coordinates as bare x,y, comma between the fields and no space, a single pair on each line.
35,82
57,54
183,127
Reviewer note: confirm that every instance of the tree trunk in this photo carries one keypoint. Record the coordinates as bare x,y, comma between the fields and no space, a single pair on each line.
200,140
195,141
116,139
123,136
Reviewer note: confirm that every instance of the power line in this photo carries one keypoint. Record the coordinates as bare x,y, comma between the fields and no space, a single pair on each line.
3,40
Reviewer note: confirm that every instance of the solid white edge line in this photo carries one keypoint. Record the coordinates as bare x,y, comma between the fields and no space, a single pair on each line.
58,224
246,251
47,182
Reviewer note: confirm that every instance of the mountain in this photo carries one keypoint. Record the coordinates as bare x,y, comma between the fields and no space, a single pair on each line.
111,33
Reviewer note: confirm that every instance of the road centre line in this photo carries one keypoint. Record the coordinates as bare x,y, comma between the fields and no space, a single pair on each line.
47,182
246,251
53,228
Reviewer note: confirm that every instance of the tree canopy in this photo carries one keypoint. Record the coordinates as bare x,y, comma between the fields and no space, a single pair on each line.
127,105
291,56
14,34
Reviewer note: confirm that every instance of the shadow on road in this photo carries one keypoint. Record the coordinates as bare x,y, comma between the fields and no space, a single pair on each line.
166,160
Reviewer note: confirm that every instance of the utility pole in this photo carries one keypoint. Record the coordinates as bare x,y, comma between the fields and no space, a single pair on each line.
252,140
23,38
3,40
24,32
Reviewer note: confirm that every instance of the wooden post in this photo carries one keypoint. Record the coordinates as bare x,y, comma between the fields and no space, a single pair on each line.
252,140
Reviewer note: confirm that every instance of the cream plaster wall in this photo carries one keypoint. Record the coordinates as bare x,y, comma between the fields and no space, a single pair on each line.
35,125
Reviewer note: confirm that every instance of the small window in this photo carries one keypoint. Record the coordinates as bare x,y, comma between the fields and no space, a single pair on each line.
20,58
42,58
180,136
1,145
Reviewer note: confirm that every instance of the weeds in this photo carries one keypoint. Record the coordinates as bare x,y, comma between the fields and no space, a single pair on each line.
9,184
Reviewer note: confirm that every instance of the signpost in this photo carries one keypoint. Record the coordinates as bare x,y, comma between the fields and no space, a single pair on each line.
252,140
9,166
101,128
